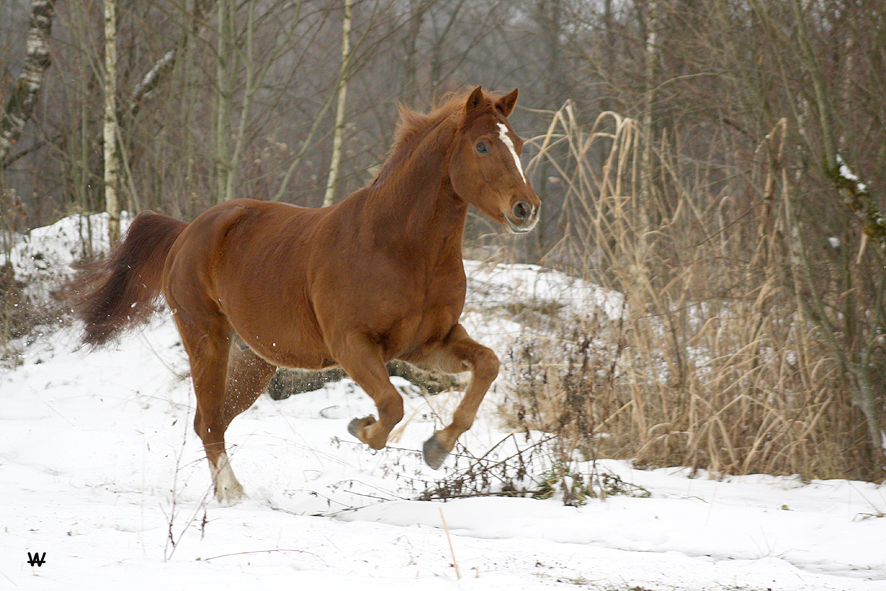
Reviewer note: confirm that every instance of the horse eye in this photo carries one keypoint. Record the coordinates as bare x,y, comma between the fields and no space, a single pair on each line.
482,148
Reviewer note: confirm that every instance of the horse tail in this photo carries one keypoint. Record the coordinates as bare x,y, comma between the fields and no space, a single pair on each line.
120,292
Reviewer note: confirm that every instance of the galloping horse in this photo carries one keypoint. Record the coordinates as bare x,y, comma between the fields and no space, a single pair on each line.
253,285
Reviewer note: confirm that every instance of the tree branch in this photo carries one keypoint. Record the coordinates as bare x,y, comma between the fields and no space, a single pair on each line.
163,66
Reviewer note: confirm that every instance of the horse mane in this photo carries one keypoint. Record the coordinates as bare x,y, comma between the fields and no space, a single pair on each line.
414,126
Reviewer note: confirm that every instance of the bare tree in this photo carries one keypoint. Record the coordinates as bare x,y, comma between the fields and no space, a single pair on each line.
25,96
342,91
226,71
109,129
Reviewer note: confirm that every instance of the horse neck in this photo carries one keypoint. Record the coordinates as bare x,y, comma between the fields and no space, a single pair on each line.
416,205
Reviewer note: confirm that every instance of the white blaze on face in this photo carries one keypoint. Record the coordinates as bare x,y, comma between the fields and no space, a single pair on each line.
506,140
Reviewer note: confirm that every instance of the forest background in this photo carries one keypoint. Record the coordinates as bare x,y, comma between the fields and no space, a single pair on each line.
720,163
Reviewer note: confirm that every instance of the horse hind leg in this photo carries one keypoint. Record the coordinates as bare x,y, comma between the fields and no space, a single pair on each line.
248,375
228,490
208,369
227,381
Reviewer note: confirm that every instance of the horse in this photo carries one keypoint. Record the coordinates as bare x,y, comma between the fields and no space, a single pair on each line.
256,285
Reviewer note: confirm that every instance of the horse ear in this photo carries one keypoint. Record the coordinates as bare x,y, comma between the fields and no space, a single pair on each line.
506,103
475,100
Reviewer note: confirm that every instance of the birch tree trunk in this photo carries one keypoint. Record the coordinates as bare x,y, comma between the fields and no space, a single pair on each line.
109,129
335,163
26,93
226,79
646,131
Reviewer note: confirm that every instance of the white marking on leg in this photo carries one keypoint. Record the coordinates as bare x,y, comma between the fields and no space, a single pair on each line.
506,140
228,489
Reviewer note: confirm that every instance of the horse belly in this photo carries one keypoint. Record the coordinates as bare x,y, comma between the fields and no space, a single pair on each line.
285,338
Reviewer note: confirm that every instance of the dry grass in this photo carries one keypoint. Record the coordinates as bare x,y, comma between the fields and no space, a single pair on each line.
714,364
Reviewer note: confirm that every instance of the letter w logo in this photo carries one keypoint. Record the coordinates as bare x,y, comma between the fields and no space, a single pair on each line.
36,559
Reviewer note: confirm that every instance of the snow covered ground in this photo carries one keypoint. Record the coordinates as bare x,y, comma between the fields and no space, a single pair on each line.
101,471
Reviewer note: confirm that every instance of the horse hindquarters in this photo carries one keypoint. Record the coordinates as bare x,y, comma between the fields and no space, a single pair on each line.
120,293
227,377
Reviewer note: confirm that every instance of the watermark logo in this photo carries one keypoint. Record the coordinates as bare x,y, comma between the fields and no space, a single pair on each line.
36,559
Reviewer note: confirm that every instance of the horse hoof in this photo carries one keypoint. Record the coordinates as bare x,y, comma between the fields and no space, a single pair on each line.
229,498
434,452
229,494
228,490
355,425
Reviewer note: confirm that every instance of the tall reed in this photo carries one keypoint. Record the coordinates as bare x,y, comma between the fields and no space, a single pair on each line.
712,363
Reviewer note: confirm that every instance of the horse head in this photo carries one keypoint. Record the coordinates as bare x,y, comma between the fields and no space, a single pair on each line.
485,167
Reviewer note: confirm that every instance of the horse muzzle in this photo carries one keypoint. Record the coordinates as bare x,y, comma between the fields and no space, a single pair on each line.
522,217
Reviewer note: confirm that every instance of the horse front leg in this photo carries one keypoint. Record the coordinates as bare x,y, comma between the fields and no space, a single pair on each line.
456,353
362,361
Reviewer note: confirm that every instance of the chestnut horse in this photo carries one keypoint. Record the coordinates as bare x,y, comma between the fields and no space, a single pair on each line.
253,285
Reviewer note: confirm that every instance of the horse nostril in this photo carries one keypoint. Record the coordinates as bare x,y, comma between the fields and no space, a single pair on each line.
521,210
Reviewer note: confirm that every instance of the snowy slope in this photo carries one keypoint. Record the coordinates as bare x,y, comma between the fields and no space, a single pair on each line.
100,469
